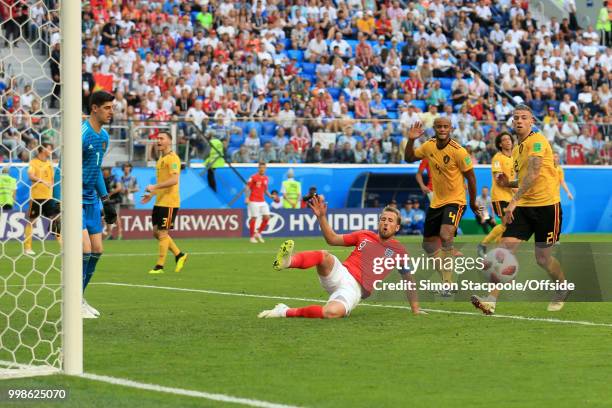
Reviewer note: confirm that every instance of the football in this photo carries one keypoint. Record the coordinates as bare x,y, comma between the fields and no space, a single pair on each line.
500,266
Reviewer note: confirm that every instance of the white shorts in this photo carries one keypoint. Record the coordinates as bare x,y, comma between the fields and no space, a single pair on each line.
255,209
342,287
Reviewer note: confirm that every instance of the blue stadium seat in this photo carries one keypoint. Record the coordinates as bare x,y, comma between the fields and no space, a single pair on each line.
297,54
390,104
309,68
334,92
392,115
445,83
419,104
287,43
360,139
554,104
244,126
397,139
263,139
236,140
269,128
353,44
311,77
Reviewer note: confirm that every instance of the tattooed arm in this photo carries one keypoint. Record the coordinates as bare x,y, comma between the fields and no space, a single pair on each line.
533,171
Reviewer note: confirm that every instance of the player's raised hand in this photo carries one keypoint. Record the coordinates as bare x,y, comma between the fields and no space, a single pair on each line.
416,131
318,205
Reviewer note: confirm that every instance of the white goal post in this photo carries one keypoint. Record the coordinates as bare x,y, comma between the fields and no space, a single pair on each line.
41,330
72,275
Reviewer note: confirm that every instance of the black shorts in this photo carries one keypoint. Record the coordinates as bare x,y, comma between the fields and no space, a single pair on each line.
163,217
449,214
545,222
499,207
6,207
48,208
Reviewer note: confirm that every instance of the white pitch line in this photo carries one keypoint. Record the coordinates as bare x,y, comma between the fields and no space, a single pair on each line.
180,391
216,292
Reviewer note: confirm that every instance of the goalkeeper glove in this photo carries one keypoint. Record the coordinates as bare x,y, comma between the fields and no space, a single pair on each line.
110,214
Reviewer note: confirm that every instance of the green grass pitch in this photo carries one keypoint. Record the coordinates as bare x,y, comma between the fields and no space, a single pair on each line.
379,357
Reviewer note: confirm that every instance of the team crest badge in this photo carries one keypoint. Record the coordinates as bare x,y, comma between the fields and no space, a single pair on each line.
446,159
104,145
521,149
388,252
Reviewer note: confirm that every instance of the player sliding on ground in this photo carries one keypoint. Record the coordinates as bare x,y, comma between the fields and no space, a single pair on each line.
95,142
500,195
450,164
348,282
167,202
535,207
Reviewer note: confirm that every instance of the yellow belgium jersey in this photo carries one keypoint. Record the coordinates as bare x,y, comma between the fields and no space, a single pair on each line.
167,166
501,164
447,166
560,174
41,170
545,190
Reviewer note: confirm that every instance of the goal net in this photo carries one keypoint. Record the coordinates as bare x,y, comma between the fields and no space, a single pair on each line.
32,128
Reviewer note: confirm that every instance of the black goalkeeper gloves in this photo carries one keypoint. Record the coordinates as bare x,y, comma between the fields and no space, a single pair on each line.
110,214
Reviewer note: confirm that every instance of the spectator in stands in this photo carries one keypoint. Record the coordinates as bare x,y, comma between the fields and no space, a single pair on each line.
362,106
459,89
267,154
286,117
346,154
361,155
279,140
413,86
436,96
570,131
462,133
196,115
289,155
503,110
377,107
406,214
300,137
317,48
242,155
376,156
485,219
490,69
442,65
545,85
252,143
314,154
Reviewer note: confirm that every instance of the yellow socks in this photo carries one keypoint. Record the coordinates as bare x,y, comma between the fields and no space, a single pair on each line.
164,242
495,234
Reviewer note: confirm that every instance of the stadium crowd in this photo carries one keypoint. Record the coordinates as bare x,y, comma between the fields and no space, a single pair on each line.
266,76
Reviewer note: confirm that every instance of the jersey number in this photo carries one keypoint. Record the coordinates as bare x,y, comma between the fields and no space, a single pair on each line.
97,158
452,217
550,238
